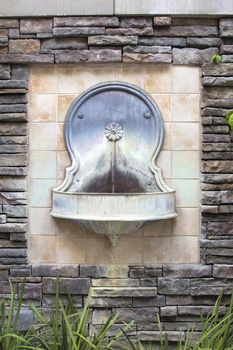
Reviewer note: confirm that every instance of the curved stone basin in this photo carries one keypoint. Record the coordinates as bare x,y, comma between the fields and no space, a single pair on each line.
113,214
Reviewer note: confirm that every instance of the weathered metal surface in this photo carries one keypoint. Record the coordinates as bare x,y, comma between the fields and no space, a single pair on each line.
113,133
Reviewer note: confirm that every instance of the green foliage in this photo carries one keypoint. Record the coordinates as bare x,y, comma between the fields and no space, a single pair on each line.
229,118
216,59
66,327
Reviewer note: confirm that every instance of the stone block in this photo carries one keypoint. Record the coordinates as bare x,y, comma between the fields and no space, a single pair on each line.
157,301
226,49
14,86
100,316
49,45
129,31
5,287
20,272
168,311
26,319
162,21
2,218
193,56
73,285
226,27
13,227
186,271
26,58
18,237
77,31
223,69
139,315
203,42
116,282
147,49
87,21
217,166
219,81
110,302
194,310
223,271
15,210
136,22
33,291
227,58
9,253
5,71
104,55
14,33
13,140
104,271
24,46
13,99
4,275
20,72
173,286
210,290
209,209
112,40
13,160
211,197
115,292
147,58
163,41
200,31
12,184
9,23
31,26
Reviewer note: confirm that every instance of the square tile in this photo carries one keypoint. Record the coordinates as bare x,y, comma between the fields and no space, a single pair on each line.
41,222
156,250
185,164
69,227
164,162
158,79
71,79
128,250
186,79
42,249
158,228
99,250
98,74
187,192
63,161
187,222
40,192
165,105
71,249
42,164
132,74
185,136
186,108
42,136
64,102
42,108
43,79
184,249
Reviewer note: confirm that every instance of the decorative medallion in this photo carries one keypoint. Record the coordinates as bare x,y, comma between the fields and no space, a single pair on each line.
113,131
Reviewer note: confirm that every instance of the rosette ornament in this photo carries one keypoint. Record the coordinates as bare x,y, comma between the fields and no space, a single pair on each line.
113,131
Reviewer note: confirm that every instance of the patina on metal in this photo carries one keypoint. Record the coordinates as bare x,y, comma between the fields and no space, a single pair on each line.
113,133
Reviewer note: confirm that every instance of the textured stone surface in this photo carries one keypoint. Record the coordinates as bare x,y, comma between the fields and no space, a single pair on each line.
193,56
24,46
75,286
146,57
203,42
78,31
136,22
202,31
163,41
105,40
87,21
226,27
104,55
49,45
162,21
31,26
186,270
5,71
124,292
172,286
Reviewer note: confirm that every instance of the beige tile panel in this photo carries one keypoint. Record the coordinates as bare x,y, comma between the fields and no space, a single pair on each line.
164,162
177,249
187,222
158,228
60,137
158,79
69,227
186,108
98,74
64,102
41,222
71,79
185,136
42,108
185,164
42,164
99,250
40,192
187,192
186,80
71,249
63,161
43,136
164,104
129,250
42,249
43,79
132,74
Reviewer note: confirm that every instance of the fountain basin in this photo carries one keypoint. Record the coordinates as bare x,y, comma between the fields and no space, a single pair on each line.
113,214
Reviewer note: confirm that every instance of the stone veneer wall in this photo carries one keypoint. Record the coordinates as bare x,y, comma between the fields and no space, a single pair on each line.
178,293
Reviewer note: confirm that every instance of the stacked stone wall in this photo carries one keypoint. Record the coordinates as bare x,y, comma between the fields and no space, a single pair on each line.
178,293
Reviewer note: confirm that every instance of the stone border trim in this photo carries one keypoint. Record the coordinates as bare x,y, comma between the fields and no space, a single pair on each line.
44,8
